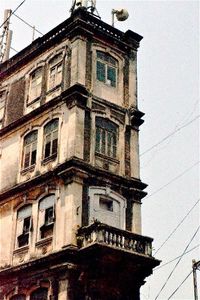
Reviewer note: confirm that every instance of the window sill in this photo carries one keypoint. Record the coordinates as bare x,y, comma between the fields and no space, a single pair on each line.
21,249
32,101
27,170
107,158
44,241
53,89
49,159
106,84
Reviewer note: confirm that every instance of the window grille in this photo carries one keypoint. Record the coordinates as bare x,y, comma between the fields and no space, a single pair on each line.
106,137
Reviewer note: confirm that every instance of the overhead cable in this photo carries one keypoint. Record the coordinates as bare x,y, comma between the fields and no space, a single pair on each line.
173,231
33,27
174,268
175,178
12,12
179,285
169,135
169,262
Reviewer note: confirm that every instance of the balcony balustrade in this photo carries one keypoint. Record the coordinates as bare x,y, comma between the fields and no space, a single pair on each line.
99,233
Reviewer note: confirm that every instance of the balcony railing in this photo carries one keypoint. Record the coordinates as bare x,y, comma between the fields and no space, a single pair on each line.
115,238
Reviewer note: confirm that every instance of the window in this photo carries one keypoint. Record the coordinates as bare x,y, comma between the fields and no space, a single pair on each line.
24,225
35,84
106,68
106,137
30,149
2,106
106,204
46,216
55,72
51,139
39,294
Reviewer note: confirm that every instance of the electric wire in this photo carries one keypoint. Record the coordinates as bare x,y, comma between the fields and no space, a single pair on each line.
14,49
174,268
28,24
169,135
174,259
174,230
175,178
12,12
179,285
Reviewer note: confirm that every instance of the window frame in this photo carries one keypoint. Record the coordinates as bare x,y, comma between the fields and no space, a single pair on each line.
22,230
2,106
32,153
52,142
35,90
44,225
55,80
105,65
106,137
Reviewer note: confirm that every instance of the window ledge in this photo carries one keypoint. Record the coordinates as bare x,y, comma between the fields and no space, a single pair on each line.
108,158
21,249
29,169
53,89
33,101
49,159
44,241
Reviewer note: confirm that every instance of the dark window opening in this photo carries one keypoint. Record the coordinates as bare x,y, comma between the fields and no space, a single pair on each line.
39,294
106,204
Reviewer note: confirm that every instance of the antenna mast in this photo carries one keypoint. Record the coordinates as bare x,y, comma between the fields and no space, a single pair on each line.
89,5
5,37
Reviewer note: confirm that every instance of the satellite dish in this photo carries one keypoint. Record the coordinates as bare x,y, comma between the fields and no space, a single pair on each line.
122,14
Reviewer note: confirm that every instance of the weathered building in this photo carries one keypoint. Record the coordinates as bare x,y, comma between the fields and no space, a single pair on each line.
70,202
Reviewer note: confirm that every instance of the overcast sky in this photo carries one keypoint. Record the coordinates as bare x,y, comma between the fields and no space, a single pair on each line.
168,82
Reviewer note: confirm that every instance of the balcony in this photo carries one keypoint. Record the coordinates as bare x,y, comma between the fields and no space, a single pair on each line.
104,235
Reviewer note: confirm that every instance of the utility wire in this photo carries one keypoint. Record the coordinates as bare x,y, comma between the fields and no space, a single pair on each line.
177,263
12,13
173,231
175,178
169,262
169,135
28,24
179,285
13,49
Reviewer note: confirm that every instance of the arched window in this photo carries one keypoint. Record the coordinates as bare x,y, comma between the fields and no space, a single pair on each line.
106,68
18,297
35,84
46,216
50,139
2,106
30,149
24,225
55,72
106,137
39,294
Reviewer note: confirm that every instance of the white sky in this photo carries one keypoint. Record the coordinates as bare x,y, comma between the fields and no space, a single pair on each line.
168,79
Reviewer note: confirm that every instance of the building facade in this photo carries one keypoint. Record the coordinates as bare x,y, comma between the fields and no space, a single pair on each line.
70,202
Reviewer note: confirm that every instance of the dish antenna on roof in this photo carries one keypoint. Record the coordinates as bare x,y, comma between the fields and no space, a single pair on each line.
89,5
121,15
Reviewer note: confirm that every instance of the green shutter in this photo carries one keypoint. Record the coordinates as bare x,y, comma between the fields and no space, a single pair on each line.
101,71
111,75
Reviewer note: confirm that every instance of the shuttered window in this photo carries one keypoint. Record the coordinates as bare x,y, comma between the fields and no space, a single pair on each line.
35,84
55,72
24,225
106,68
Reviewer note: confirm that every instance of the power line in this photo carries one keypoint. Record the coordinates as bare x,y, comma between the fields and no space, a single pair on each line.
180,285
169,262
12,13
169,135
13,49
175,178
173,231
177,263
28,24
